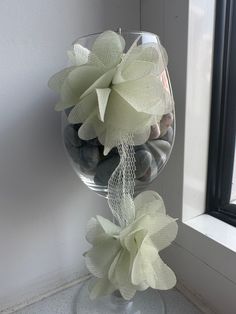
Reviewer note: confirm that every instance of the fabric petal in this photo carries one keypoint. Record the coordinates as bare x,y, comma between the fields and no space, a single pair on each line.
101,256
103,95
95,61
119,275
144,95
164,55
121,116
94,230
141,136
102,82
79,55
150,52
60,106
86,131
108,47
132,243
141,223
142,270
138,69
79,80
164,276
157,226
83,109
56,81
100,288
165,233
118,77
95,233
149,202
108,226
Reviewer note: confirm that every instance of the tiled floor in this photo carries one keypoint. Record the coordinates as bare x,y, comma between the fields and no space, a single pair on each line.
64,303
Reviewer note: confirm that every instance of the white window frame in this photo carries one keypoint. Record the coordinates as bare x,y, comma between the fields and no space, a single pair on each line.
203,255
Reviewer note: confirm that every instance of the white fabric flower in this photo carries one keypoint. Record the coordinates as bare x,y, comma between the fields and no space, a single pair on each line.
128,259
135,100
114,94
88,68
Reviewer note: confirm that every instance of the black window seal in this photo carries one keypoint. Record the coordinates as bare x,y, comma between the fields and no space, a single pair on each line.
223,115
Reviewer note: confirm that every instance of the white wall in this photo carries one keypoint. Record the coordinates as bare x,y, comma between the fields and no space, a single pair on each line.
43,205
169,19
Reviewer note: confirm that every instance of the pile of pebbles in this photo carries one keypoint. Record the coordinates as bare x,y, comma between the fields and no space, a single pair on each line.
150,157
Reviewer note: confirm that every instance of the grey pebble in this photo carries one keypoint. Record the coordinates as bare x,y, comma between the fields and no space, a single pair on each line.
89,158
71,136
157,153
112,152
139,147
68,110
143,162
105,169
86,156
164,146
147,176
94,142
155,132
77,126
73,152
166,122
169,135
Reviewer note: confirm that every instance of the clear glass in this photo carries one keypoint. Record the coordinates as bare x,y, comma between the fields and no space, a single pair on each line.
87,157
145,302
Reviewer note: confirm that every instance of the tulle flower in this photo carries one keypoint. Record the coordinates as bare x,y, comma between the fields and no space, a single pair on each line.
114,94
89,70
128,259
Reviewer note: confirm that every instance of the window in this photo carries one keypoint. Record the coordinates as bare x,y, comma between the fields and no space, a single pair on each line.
221,186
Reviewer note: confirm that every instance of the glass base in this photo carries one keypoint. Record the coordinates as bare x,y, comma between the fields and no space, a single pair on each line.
149,301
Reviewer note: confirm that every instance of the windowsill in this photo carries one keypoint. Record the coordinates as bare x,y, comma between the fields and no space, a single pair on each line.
215,229
65,302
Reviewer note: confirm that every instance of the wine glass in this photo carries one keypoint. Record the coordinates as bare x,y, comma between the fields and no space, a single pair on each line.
87,157
95,170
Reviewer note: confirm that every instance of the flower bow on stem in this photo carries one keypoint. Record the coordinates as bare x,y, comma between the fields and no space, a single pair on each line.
128,259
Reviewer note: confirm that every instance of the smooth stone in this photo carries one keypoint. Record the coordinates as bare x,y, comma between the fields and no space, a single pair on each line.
143,160
68,110
157,153
155,132
139,147
166,122
150,174
89,157
71,136
94,142
77,126
73,152
164,146
147,176
112,152
169,135
105,169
